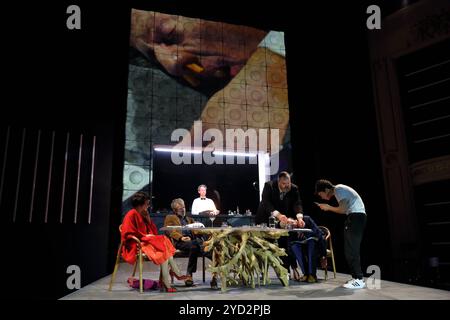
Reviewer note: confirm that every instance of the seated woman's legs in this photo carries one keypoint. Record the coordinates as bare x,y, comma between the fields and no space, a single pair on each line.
168,268
174,270
164,274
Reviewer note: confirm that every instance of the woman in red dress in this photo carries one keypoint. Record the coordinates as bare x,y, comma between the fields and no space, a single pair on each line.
158,248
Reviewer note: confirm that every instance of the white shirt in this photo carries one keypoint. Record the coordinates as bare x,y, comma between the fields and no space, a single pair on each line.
349,198
200,205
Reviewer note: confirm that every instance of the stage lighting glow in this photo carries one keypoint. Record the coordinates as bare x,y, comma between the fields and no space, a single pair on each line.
178,150
237,154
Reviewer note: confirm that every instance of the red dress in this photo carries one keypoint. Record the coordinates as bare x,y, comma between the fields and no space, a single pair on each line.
158,247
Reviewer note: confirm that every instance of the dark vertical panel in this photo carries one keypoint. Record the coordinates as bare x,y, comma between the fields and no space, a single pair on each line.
19,174
5,157
64,179
77,191
33,190
91,180
50,168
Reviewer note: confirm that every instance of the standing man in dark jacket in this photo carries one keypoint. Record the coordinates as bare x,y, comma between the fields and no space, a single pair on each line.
281,199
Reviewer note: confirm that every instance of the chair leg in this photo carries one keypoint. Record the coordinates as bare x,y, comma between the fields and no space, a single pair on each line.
203,271
134,268
141,282
116,267
332,259
326,273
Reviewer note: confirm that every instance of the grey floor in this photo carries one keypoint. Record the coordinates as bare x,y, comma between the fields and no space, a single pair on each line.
323,290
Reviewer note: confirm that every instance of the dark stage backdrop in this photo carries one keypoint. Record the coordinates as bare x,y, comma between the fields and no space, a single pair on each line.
229,186
75,82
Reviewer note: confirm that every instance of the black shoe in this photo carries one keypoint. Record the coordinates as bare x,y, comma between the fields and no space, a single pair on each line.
189,282
214,283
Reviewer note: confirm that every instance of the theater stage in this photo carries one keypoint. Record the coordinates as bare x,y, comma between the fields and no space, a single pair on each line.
323,290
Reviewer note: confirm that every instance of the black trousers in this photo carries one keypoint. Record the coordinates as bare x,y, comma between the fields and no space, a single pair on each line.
194,249
353,234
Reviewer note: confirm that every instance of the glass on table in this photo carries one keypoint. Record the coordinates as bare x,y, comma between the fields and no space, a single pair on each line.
272,221
212,218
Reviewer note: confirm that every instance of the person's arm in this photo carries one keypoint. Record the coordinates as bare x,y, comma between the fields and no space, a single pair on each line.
269,209
266,199
130,226
213,207
297,202
342,209
171,220
270,70
297,207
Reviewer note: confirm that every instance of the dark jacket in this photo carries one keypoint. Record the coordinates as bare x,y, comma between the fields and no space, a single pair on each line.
289,206
316,235
174,220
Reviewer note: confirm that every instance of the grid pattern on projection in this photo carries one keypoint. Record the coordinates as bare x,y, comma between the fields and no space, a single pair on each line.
160,102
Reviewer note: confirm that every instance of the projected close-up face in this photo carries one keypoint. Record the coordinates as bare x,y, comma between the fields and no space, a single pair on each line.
196,50
184,69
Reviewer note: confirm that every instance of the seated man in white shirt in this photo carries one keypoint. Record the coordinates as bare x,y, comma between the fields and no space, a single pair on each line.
202,205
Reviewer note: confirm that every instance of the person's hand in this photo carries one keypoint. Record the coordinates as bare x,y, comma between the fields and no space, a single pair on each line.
213,212
324,206
300,223
185,238
291,221
193,49
283,219
261,103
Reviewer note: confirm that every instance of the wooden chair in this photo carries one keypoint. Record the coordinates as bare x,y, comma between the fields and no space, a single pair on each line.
330,253
140,260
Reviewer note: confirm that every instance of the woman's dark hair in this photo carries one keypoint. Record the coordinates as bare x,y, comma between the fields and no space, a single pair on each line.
323,184
139,198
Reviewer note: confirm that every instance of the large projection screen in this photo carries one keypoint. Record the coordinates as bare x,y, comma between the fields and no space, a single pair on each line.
228,77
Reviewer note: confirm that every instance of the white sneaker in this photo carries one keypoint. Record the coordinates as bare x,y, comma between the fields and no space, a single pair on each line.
355,284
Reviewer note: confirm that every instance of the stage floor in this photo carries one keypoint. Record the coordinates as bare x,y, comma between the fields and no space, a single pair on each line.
323,290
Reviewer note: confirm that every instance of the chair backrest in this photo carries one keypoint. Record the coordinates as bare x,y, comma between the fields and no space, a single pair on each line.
327,235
